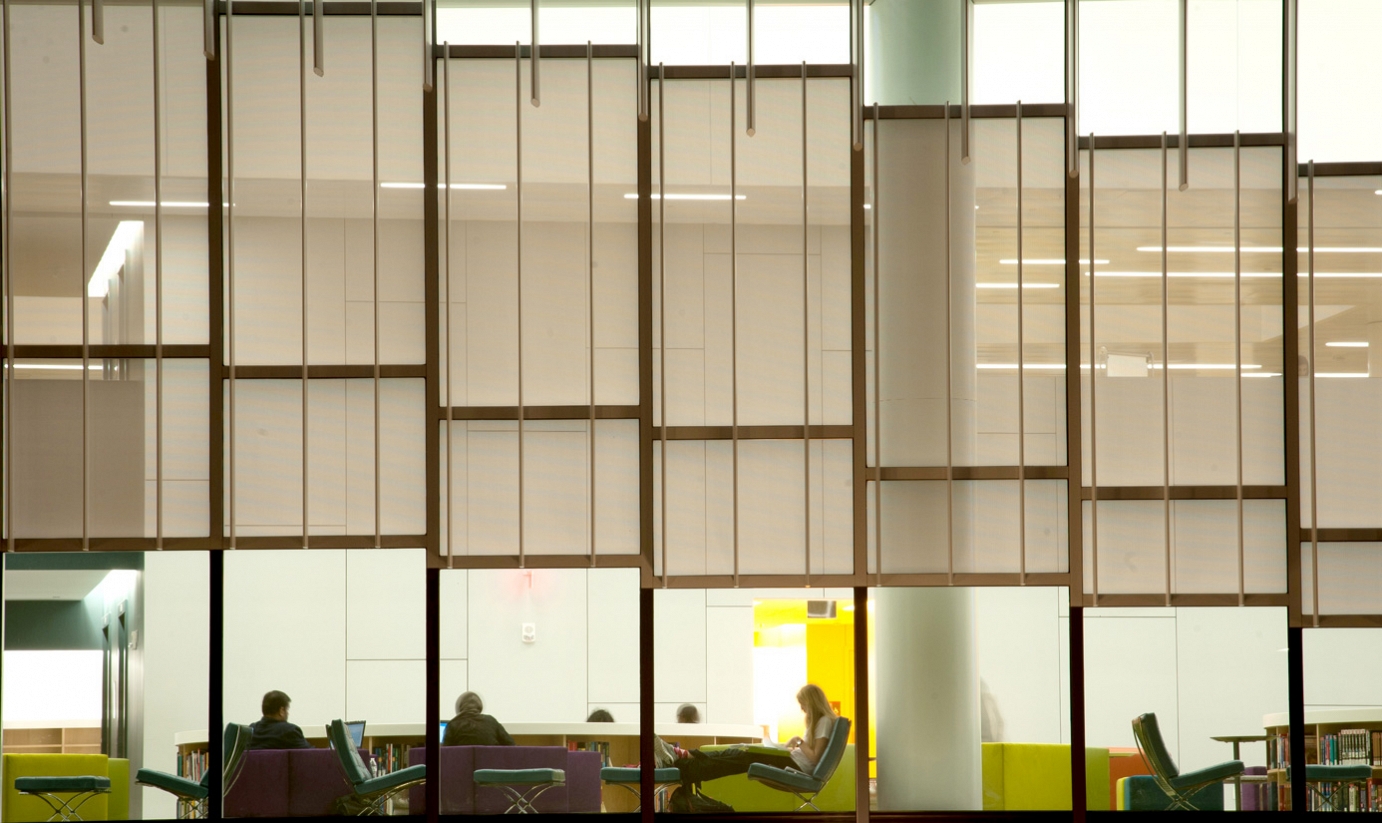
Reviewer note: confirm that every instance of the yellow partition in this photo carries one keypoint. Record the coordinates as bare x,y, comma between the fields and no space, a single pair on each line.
1036,777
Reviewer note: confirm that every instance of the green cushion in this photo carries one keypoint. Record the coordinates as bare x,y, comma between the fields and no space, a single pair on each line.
787,780
392,780
78,783
1212,774
1337,774
180,786
518,777
632,774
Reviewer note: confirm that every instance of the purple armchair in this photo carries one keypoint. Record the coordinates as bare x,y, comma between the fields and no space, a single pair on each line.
287,783
459,795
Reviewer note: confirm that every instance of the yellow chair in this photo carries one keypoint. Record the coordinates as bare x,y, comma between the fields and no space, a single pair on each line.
19,808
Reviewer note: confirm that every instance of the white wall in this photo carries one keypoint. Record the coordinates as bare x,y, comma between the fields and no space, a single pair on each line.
175,661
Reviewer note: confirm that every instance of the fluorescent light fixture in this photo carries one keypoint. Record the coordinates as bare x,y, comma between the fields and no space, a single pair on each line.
1348,344
1264,374
1025,366
671,196
59,366
167,204
1341,374
1265,249
122,240
867,206
1209,366
454,186
1044,261
1207,274
1344,275
1014,285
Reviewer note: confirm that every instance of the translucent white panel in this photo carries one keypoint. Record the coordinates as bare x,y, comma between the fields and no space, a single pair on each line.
1018,52
1131,550
772,507
45,140
1235,65
47,442
400,117
616,234
714,34
832,507
1333,44
268,291
483,517
1350,578
914,527
267,423
987,520
996,303
186,462
1204,547
1048,546
576,23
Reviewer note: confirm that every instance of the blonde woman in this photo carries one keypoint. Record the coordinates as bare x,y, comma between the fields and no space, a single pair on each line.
820,722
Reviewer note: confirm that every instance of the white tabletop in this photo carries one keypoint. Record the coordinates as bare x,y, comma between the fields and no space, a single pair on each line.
671,731
1326,717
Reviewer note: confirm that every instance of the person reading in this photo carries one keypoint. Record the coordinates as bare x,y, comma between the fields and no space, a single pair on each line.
820,722
273,731
472,727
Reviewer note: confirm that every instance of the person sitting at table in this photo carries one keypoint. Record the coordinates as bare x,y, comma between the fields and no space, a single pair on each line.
273,731
472,727
600,716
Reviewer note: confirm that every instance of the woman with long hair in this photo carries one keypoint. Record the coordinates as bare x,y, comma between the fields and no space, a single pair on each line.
820,722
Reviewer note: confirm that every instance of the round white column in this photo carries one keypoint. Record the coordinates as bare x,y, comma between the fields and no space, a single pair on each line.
928,700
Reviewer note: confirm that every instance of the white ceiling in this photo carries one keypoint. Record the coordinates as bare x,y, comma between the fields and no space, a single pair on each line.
27,584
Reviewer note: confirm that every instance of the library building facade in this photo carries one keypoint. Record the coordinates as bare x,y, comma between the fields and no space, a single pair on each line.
867,408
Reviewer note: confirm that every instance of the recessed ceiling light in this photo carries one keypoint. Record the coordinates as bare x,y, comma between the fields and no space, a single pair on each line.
167,204
1024,366
1341,374
1045,261
1014,285
454,186
1348,344
1264,249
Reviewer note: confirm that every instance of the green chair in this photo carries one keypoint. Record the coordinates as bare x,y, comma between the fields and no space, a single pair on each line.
806,786
630,777
371,794
1178,787
1329,784
194,795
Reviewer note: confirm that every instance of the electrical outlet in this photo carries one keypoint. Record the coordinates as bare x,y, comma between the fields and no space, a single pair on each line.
529,632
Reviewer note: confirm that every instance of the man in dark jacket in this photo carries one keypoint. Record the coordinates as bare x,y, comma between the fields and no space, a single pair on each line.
273,731
472,727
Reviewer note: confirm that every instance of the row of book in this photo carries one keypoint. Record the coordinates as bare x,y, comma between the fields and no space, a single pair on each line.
1354,798
1278,751
1351,747
192,765
389,758
591,746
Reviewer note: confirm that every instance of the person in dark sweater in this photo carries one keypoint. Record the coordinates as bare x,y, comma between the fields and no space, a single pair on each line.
471,727
273,731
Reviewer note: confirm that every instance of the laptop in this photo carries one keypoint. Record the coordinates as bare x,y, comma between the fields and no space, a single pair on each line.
356,730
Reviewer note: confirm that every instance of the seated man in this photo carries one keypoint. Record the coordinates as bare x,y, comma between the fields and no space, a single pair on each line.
273,731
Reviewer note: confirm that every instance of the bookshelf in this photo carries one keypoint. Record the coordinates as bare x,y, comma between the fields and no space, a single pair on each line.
1332,737
52,740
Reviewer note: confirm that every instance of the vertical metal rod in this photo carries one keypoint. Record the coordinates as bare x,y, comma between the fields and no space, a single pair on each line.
518,268
1184,145
590,266
856,87
749,100
1314,454
1093,404
230,251
450,352
733,308
662,298
1289,126
158,286
209,29
641,66
302,225
428,69
86,301
877,386
319,36
9,294
1021,378
374,204
536,60
966,38
949,380
98,22
1165,380
662,310
1238,340
806,332
1072,99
